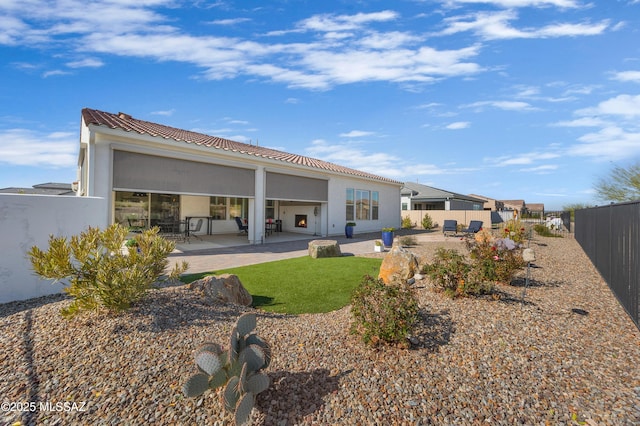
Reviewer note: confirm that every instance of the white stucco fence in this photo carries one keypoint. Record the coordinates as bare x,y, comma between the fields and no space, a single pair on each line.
28,220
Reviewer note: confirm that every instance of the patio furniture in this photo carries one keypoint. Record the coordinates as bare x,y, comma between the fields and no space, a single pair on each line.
192,231
242,228
474,227
269,227
450,226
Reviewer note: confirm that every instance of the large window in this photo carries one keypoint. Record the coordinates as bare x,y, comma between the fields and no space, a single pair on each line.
350,214
238,207
132,209
374,205
362,204
218,208
141,209
164,208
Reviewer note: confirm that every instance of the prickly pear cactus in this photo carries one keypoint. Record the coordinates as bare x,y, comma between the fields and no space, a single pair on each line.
236,370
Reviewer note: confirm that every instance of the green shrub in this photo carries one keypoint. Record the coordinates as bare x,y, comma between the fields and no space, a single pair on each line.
102,271
449,272
427,221
494,260
515,230
408,240
237,370
543,231
383,314
406,223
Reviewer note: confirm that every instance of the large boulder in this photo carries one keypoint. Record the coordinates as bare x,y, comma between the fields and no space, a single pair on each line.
225,288
399,265
324,248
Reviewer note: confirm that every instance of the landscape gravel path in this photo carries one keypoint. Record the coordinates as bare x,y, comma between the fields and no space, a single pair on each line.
565,353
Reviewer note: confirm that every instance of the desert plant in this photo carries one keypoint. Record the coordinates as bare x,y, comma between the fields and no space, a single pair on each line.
383,314
236,370
515,230
543,231
494,260
406,223
408,240
448,272
103,274
427,222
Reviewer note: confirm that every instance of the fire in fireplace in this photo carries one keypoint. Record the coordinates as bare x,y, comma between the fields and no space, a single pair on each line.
301,221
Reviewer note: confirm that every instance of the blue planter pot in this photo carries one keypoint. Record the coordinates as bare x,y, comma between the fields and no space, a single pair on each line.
348,231
387,238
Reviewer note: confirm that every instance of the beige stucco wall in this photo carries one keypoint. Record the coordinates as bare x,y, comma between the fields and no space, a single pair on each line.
28,220
439,216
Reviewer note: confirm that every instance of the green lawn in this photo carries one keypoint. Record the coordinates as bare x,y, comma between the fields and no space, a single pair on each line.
303,284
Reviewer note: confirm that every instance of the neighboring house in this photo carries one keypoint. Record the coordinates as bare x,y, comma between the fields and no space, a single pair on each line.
490,203
517,206
536,209
50,188
415,196
151,173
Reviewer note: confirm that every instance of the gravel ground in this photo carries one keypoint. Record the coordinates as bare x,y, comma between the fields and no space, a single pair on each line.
492,360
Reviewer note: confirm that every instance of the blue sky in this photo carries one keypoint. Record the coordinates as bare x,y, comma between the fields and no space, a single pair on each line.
512,99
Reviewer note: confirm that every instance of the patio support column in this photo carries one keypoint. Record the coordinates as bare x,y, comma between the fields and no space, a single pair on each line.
324,219
256,223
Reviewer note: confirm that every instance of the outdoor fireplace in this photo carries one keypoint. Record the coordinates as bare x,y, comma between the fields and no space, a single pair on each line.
301,221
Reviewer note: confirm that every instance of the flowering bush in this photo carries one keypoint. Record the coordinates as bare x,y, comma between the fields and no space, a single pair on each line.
490,261
494,260
515,230
383,314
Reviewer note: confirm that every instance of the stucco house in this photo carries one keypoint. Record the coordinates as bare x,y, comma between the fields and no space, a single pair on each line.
150,173
415,196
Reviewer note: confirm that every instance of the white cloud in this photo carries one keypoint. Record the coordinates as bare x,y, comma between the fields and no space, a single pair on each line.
230,22
356,134
458,125
627,106
540,169
609,144
332,23
166,113
86,63
520,3
54,73
496,26
633,76
582,122
331,49
505,105
24,147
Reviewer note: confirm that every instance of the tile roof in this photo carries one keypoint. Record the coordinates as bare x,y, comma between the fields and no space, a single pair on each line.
122,121
419,192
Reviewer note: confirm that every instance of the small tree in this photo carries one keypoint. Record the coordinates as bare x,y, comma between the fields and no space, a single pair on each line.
102,271
427,222
622,184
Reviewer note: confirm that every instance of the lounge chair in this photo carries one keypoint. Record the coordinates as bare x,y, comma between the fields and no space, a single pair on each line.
192,231
242,228
474,227
450,226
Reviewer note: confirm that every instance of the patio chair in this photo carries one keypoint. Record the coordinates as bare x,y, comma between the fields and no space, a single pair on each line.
450,226
242,228
196,228
474,227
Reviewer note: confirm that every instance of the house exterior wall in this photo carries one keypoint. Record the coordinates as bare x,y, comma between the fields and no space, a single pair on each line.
463,217
102,142
27,221
389,215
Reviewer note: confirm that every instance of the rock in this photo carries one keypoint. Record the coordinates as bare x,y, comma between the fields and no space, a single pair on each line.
225,288
398,265
528,255
324,248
